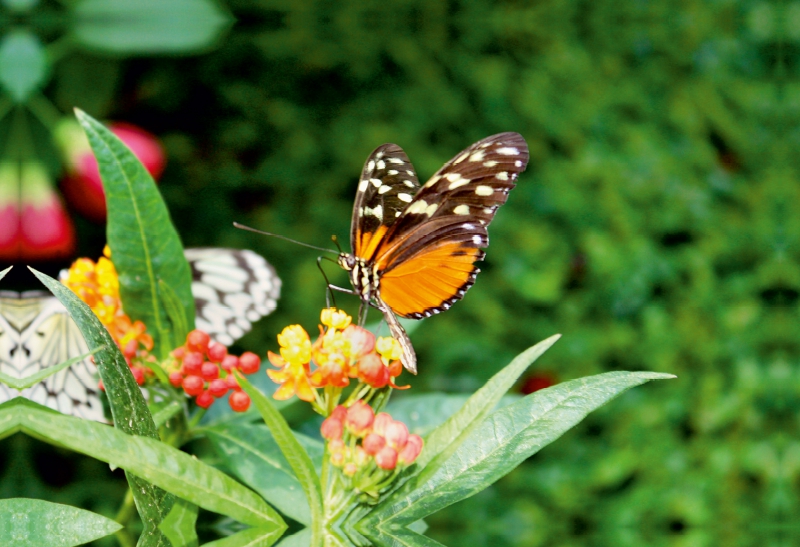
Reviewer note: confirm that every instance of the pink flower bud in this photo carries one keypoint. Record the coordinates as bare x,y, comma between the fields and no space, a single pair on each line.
218,387
411,450
340,412
372,443
372,371
396,435
332,428
350,469
359,418
386,458
361,340
381,421
83,187
46,231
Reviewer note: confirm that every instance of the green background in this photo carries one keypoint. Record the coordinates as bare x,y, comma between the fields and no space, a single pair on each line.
656,227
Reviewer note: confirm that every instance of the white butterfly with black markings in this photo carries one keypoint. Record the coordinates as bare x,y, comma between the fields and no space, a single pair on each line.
232,289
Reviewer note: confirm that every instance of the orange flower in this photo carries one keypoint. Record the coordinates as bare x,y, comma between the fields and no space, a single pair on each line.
293,378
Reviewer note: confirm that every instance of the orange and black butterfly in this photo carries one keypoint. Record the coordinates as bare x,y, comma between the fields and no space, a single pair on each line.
415,248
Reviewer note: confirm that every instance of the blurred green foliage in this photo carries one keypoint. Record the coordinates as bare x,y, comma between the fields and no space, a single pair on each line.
656,226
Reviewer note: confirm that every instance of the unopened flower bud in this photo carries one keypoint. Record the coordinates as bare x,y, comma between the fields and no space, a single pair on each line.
361,340
332,428
380,423
386,458
396,435
372,371
359,418
411,450
373,443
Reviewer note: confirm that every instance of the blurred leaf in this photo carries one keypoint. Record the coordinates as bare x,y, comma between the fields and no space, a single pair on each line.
24,67
251,453
34,523
177,472
252,537
506,438
133,27
175,312
144,245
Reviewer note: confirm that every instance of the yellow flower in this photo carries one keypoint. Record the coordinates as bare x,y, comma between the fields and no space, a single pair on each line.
389,348
335,319
293,378
295,345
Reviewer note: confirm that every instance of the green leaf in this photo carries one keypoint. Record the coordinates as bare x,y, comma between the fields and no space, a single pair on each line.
175,312
24,67
179,524
292,450
128,408
300,539
252,537
506,438
438,407
144,245
149,26
28,381
445,439
33,523
177,472
253,455
164,414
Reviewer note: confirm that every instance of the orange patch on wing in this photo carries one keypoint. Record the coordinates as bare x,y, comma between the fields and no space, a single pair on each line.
368,242
428,280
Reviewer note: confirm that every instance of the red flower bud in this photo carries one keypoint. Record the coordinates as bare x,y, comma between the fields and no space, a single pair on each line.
411,450
204,400
249,362
233,383
209,371
340,412
538,381
372,443
239,401
361,340
332,428
45,229
198,340
216,352
193,385
359,418
176,379
230,362
218,387
138,375
193,363
386,458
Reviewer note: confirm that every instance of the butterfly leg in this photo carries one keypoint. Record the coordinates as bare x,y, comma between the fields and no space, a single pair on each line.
409,358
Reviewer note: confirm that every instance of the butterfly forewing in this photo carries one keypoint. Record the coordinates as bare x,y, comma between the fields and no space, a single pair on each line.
426,260
387,185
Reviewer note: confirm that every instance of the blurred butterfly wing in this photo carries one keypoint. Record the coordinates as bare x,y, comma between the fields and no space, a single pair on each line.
232,289
426,260
387,184
37,333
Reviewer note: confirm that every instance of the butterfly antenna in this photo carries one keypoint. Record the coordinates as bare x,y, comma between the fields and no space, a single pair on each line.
249,229
336,242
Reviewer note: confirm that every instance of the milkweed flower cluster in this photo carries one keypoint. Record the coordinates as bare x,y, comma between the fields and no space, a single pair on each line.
368,449
97,284
342,352
204,370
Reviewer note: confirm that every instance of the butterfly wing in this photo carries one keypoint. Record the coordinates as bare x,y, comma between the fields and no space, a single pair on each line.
387,185
232,289
37,333
426,260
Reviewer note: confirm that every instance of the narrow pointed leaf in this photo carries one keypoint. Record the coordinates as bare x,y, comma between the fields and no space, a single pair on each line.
252,537
128,407
179,524
144,245
175,313
292,450
33,523
28,381
253,455
507,437
300,539
169,468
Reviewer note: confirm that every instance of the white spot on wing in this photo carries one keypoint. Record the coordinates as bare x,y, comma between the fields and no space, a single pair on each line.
377,212
483,190
408,183
502,175
417,207
462,209
362,186
490,163
396,161
371,165
434,180
381,164
431,209
392,172
383,189
462,157
376,182
405,197
476,239
508,151
478,156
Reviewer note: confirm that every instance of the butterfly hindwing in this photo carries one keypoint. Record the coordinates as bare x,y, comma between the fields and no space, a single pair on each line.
232,289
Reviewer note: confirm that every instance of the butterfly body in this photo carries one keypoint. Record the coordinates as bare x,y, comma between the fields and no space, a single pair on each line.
415,247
